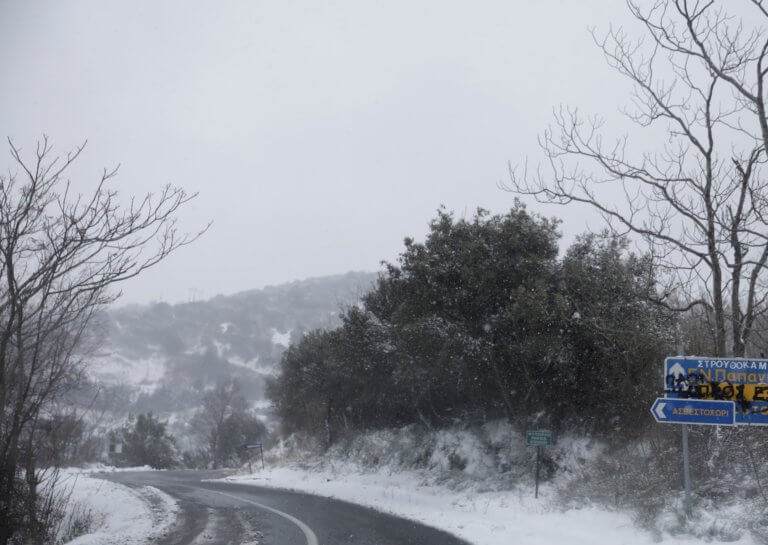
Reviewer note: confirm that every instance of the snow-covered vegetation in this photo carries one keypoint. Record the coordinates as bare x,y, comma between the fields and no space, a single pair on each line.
486,321
477,483
101,512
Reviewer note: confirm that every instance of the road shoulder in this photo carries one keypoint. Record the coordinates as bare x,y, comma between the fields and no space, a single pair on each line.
479,516
117,514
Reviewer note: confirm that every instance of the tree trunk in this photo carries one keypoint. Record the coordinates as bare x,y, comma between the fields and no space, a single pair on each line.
717,299
328,428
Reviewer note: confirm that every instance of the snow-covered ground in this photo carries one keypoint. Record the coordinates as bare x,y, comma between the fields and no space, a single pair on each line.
481,518
116,514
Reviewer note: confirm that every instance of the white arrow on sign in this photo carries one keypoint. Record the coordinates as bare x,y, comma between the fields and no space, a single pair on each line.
660,411
677,370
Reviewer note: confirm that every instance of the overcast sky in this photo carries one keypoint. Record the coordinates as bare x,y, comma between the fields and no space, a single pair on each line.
318,134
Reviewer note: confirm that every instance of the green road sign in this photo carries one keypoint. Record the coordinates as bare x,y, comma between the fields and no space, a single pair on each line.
538,438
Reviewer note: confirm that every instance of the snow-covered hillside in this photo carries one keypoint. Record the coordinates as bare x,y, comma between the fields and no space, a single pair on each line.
163,358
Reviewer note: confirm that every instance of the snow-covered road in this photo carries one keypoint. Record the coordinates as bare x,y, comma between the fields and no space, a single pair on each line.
215,512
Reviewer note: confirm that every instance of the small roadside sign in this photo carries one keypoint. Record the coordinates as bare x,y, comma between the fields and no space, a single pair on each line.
670,410
538,438
254,446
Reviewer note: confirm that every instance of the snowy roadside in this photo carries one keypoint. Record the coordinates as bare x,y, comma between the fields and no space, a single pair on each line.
117,514
480,517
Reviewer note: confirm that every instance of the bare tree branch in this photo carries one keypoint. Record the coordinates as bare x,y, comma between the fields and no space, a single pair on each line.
61,257
699,201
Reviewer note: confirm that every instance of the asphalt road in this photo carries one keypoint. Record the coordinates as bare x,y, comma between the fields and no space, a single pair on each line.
228,513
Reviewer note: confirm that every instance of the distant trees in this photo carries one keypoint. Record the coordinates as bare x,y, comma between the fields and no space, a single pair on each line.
225,425
148,442
62,255
483,321
698,198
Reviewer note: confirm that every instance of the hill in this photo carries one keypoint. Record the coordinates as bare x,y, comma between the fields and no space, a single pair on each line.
162,357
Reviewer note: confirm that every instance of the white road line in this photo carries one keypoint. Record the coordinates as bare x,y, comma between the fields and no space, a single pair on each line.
308,533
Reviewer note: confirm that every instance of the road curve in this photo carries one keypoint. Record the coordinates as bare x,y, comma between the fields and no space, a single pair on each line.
237,514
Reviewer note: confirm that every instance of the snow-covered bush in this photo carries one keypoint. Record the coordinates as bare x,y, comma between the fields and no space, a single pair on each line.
78,520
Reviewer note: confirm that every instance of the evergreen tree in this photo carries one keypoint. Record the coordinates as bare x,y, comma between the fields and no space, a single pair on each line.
614,338
482,321
149,443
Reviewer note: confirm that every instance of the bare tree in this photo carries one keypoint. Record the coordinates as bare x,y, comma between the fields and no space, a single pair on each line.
698,199
221,419
61,256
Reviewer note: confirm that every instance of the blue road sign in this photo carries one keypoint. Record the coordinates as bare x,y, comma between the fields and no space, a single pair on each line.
680,370
743,381
670,410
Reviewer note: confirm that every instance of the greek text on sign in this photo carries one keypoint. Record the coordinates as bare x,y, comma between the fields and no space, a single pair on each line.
744,381
538,438
668,410
736,371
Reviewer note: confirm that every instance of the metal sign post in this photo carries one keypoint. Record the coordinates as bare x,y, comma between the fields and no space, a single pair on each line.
686,471
686,458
